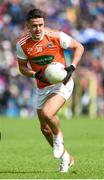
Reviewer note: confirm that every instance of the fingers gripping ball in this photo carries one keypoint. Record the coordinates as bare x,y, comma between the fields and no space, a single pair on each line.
55,72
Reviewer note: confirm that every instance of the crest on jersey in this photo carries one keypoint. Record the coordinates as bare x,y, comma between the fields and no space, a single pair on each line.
49,45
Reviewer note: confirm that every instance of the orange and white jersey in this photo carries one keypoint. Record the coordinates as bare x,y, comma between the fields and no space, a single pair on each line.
42,52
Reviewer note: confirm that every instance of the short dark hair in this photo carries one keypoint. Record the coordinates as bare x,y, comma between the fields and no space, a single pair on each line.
35,13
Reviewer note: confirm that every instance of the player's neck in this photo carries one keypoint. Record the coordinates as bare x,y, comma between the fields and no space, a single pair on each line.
35,38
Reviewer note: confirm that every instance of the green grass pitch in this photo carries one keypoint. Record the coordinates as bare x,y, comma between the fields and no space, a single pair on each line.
25,154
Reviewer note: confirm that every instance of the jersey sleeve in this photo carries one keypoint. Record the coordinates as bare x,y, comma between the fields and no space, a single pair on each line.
20,52
65,40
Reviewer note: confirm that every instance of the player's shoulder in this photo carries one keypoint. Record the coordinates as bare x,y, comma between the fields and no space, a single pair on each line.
23,38
52,32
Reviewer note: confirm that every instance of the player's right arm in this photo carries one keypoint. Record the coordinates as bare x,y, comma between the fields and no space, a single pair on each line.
24,68
23,62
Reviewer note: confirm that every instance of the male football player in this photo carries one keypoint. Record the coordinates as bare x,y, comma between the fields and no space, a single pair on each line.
39,47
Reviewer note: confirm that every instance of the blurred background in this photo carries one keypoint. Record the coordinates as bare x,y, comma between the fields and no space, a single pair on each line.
83,20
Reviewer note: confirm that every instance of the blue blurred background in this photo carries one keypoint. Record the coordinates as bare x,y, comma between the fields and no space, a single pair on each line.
83,20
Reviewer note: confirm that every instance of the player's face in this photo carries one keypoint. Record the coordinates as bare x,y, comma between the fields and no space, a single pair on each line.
36,27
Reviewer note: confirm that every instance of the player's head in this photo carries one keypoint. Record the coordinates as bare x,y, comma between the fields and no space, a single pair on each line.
35,23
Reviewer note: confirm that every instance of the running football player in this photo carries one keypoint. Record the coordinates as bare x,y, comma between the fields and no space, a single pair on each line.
39,47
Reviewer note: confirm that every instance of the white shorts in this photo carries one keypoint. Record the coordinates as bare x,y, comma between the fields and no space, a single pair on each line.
63,90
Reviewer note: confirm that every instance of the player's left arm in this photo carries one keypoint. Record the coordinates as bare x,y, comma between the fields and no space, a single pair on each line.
68,42
78,51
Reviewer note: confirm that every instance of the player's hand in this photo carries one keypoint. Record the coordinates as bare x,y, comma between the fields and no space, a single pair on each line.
38,74
70,69
40,77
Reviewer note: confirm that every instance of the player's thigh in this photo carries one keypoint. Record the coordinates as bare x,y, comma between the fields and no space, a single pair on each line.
53,104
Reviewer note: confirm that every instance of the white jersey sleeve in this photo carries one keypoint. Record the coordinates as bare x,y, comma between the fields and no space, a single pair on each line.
65,40
20,52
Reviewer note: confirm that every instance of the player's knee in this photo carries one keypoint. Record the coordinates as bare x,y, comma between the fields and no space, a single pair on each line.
46,114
